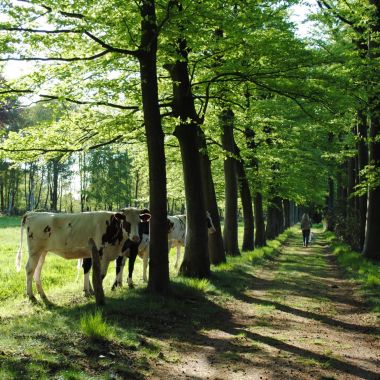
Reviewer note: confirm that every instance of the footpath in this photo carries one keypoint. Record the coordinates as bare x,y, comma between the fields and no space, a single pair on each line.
298,319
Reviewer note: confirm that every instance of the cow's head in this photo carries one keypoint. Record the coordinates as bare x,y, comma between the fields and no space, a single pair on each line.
114,230
133,216
210,224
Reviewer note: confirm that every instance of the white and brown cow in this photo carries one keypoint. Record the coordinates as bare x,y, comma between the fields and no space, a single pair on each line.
176,238
68,236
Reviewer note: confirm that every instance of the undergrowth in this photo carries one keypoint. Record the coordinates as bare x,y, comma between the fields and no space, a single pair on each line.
360,269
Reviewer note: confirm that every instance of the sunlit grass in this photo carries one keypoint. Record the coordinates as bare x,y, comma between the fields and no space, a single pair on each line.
360,269
202,285
94,326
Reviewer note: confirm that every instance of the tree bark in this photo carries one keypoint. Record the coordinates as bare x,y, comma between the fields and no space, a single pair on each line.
196,261
230,231
246,201
275,218
362,162
260,236
158,245
96,275
372,232
287,217
215,241
54,186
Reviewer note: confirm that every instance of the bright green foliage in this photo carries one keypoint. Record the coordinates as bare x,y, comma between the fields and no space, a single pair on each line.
240,55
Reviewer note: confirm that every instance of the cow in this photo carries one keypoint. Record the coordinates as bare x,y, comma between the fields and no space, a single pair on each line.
68,236
177,233
176,238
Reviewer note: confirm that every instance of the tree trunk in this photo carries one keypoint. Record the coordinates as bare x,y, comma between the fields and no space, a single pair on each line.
158,245
246,201
54,186
275,218
96,275
196,261
362,162
287,217
215,241
260,237
230,231
137,187
372,232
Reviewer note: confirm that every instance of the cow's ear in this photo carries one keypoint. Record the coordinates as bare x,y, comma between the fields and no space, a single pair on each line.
145,217
120,216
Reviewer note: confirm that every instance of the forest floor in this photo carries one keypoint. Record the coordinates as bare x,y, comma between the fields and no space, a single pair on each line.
295,318
290,313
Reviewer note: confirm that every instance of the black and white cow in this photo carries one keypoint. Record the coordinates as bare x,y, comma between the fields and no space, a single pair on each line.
131,250
176,238
177,233
68,236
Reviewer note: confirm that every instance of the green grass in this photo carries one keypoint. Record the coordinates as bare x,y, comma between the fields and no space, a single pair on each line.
72,339
95,327
361,270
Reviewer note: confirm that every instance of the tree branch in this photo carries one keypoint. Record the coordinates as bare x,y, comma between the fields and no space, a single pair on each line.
42,151
48,97
55,59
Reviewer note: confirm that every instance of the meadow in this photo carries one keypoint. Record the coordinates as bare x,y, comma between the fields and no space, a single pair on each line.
134,335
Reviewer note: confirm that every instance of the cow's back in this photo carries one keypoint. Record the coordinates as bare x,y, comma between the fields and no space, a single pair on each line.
178,228
66,234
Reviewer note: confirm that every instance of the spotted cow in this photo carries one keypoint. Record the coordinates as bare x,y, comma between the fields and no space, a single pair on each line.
176,238
67,235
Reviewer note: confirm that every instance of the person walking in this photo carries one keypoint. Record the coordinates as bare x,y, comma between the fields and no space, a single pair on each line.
305,227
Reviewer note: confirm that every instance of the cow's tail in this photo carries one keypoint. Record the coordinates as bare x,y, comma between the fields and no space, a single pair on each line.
19,253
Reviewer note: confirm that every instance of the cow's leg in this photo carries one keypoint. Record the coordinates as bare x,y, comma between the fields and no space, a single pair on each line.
30,269
105,262
86,265
178,256
131,263
37,276
145,264
120,263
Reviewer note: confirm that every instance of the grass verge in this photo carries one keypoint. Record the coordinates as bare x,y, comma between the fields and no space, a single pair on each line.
358,268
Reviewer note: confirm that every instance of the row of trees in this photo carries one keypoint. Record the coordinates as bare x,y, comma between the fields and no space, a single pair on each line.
222,92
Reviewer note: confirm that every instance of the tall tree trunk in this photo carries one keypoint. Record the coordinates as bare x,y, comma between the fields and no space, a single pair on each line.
137,187
362,162
215,241
260,236
287,217
54,186
372,232
246,201
196,261
230,231
275,218
158,246
350,187
2,200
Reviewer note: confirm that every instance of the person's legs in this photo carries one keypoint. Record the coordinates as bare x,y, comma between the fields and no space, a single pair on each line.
304,237
307,234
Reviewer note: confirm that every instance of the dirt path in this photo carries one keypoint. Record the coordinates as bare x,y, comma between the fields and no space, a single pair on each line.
298,319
